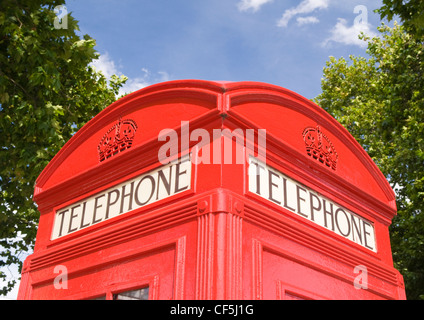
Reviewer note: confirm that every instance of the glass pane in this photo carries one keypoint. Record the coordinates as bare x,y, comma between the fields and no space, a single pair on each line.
139,294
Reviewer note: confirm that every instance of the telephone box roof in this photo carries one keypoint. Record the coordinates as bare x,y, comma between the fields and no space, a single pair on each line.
289,119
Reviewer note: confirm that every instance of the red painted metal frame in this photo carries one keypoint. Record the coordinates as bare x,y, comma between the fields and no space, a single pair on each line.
216,240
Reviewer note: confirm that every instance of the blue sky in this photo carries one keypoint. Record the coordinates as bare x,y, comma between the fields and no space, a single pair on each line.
282,42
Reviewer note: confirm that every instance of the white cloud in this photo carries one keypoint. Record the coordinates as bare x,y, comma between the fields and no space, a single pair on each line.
133,85
255,5
105,65
144,81
108,67
305,7
306,20
348,35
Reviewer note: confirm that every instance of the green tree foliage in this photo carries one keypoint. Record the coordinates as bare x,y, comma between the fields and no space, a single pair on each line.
380,100
411,13
48,90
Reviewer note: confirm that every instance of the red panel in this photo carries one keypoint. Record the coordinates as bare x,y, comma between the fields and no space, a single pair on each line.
153,270
283,266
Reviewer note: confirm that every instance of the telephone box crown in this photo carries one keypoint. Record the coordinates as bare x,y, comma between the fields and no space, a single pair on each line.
117,139
319,147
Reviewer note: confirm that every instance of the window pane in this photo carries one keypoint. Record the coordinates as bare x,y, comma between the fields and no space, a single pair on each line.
139,294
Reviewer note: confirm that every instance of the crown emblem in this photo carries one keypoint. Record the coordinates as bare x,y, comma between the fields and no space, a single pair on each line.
118,138
319,147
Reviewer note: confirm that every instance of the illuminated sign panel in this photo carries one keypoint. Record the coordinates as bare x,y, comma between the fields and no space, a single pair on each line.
274,186
125,197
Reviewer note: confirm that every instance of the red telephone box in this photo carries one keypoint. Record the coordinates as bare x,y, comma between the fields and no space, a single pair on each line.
212,190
